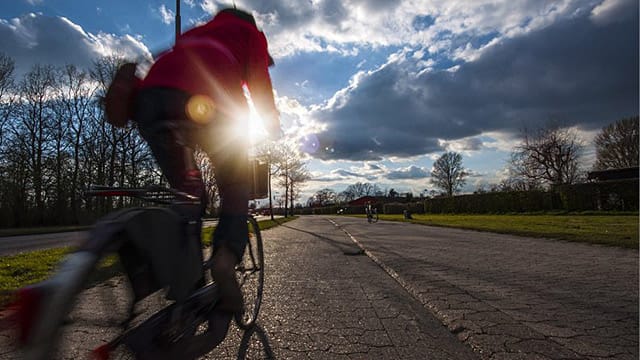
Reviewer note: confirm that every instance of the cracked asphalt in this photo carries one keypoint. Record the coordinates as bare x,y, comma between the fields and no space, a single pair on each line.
499,296
509,297
325,299
339,288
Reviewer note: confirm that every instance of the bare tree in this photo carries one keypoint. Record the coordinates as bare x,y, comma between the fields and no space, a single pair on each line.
74,106
7,92
54,142
347,195
358,190
270,153
516,182
448,173
297,176
32,129
208,176
289,168
617,145
109,142
549,155
7,99
323,197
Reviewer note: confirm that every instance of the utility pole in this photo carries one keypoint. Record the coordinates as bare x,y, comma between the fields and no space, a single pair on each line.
178,26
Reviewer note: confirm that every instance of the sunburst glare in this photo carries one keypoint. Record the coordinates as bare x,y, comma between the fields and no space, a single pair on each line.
257,130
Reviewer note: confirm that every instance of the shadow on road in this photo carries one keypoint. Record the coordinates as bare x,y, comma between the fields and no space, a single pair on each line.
346,249
263,338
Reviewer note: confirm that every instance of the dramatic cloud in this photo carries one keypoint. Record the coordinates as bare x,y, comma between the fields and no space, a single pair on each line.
614,10
454,27
412,172
392,82
36,38
576,71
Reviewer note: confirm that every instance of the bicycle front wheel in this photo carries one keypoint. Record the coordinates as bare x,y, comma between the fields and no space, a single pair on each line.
250,275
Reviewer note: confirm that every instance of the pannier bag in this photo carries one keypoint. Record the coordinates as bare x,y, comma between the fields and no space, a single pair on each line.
118,102
258,180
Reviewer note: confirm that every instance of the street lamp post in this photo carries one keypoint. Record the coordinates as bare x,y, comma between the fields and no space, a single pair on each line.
178,26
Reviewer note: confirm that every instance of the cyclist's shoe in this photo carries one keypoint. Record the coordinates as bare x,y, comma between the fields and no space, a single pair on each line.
224,274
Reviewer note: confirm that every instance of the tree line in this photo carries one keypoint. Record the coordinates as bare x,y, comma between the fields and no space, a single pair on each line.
545,157
54,143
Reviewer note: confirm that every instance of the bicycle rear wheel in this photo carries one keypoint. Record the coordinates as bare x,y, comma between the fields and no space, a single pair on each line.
250,275
71,314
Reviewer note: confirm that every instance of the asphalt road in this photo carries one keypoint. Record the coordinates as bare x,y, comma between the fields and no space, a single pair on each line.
10,245
511,297
501,297
340,288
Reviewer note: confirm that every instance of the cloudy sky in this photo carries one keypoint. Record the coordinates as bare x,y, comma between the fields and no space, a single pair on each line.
375,90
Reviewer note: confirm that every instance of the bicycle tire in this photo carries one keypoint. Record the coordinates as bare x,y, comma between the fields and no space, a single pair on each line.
65,309
160,337
250,275
72,313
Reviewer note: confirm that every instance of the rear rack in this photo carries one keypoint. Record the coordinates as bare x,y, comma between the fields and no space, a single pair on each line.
155,193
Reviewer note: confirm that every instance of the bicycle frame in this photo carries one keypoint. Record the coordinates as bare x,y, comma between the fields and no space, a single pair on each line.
43,307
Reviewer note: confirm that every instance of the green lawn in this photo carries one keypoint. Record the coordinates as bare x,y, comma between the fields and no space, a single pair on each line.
615,230
23,269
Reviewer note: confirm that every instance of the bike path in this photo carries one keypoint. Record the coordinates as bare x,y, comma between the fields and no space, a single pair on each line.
500,297
511,297
324,299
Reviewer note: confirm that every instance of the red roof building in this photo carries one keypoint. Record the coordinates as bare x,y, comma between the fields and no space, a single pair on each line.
363,201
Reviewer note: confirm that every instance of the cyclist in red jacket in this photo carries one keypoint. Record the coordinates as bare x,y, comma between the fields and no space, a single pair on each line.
193,96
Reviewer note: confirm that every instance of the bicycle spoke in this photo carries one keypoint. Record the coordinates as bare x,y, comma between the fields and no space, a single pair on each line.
250,276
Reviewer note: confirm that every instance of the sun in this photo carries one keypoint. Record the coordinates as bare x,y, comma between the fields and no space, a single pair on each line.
257,130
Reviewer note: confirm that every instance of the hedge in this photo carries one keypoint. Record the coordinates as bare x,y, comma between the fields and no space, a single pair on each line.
399,208
621,195
494,202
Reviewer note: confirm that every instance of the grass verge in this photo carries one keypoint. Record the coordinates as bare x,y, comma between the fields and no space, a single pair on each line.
17,271
618,230
41,230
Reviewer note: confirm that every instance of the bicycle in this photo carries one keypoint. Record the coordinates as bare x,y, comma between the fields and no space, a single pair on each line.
372,215
179,329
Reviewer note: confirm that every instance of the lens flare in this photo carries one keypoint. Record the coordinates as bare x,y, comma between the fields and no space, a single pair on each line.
200,109
310,144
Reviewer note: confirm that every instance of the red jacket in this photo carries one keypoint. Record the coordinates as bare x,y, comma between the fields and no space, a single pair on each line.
216,59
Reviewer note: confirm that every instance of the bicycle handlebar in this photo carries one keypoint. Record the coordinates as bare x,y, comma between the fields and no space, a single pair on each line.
154,193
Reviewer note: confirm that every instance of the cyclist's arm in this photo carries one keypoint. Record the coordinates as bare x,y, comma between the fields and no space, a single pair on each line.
259,83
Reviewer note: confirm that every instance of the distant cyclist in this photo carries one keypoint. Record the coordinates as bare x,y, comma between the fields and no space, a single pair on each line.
371,212
197,87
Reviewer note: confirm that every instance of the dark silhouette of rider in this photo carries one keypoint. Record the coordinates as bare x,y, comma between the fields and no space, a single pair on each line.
193,96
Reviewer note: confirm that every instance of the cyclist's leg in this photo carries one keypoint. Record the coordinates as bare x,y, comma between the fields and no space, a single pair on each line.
232,178
227,150
159,113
